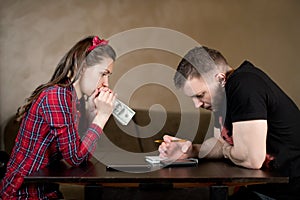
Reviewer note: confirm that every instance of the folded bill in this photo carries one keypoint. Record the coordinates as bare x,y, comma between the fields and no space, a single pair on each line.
122,112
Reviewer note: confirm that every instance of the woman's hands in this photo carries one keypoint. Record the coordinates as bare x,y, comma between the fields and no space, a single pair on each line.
91,110
175,150
101,105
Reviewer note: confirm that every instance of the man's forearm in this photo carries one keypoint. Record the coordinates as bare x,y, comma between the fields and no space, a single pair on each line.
210,148
227,154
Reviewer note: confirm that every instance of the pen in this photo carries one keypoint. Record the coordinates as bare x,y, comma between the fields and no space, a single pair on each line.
178,140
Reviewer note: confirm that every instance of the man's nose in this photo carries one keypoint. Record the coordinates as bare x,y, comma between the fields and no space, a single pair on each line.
197,103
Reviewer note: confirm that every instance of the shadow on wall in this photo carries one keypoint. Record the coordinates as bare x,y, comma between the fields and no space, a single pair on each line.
129,139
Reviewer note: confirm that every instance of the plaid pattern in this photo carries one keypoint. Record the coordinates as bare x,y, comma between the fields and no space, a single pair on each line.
48,132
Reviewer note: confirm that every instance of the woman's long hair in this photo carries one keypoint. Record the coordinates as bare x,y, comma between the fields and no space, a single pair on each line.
69,68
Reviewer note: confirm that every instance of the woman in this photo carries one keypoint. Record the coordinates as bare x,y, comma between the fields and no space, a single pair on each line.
50,117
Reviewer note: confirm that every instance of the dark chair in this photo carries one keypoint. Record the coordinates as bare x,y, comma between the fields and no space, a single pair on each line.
10,133
4,157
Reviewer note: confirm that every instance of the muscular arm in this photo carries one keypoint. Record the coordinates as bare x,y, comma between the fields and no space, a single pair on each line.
249,138
210,148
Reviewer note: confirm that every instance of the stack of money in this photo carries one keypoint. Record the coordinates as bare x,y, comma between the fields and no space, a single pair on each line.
122,112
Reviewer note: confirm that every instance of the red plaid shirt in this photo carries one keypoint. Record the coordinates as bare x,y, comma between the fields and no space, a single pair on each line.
48,131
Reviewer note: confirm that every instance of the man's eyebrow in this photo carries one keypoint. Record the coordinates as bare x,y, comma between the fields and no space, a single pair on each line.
197,95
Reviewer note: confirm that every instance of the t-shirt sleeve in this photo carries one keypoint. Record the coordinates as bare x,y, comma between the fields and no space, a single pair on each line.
247,97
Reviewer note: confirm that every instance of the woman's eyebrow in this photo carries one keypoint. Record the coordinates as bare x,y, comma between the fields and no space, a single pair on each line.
106,71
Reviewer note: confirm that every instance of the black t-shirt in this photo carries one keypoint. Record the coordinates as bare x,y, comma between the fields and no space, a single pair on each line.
252,95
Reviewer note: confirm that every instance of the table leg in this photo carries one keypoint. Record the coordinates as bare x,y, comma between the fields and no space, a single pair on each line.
93,192
218,192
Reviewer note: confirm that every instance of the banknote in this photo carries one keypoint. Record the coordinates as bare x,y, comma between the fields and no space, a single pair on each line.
122,112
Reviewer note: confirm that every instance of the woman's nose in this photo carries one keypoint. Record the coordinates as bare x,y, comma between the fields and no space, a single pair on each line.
105,81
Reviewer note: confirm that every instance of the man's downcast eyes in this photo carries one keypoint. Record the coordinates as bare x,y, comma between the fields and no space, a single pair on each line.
199,96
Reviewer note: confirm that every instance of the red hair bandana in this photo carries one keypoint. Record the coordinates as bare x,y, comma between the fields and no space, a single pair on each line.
97,42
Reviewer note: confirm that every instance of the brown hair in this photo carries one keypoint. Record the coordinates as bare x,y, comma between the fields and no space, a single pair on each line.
197,61
69,67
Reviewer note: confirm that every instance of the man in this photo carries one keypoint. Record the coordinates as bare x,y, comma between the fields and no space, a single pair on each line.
257,124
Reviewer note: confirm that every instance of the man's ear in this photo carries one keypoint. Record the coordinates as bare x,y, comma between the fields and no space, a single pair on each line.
221,78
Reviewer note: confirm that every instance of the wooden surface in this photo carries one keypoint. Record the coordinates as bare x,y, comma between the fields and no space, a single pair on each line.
207,173
217,175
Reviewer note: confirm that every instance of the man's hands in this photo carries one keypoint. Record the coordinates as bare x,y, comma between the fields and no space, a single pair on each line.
211,148
175,150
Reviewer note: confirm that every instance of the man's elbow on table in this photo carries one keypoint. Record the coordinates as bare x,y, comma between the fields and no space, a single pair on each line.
247,158
254,158
249,139
256,162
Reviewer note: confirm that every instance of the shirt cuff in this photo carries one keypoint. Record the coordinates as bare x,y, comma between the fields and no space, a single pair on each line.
96,129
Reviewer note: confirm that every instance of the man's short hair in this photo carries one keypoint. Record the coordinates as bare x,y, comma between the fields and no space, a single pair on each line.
197,61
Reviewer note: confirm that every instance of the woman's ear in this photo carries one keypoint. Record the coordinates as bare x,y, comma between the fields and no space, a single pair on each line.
221,78
82,70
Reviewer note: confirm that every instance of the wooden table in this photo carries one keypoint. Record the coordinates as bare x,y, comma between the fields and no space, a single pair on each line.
218,175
